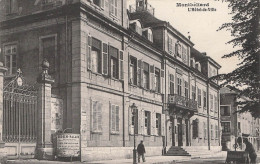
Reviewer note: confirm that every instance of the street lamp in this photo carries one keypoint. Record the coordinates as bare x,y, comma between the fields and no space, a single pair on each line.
133,110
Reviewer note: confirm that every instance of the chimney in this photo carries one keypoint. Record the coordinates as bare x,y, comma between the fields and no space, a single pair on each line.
204,53
189,35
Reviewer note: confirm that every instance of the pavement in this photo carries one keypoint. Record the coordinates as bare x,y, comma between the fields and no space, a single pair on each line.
210,159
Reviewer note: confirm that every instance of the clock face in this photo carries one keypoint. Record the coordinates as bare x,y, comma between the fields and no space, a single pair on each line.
19,81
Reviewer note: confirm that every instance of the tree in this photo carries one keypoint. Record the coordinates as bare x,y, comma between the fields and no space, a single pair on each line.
245,31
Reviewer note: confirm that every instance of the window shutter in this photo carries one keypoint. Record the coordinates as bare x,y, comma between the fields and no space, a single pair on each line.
176,48
89,42
130,121
139,70
113,120
152,127
99,116
94,118
105,59
140,122
163,124
109,61
162,81
117,118
129,62
121,65
152,78
91,114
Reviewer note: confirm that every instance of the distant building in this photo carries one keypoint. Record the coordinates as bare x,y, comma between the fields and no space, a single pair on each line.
104,58
235,124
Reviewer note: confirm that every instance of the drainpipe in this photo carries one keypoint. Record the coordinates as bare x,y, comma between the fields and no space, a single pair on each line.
165,103
219,137
208,113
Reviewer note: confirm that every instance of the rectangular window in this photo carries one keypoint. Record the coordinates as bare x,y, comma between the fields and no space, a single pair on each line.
99,3
216,131
114,119
96,116
114,64
184,54
48,51
113,7
211,132
10,53
186,91
195,129
157,80
178,49
179,89
216,104
205,130
146,75
225,127
158,124
193,93
96,58
170,45
105,59
147,123
171,84
133,70
134,122
204,100
199,97
211,102
11,6
225,110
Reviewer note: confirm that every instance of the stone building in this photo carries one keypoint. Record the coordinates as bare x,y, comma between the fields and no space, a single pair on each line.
103,59
235,124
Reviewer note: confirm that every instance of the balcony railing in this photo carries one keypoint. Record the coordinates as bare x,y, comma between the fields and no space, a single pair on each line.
182,102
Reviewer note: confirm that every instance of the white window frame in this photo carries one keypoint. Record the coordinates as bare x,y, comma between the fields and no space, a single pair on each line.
99,124
116,118
113,8
10,72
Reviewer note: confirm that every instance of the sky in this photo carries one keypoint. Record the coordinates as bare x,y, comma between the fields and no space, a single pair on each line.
202,26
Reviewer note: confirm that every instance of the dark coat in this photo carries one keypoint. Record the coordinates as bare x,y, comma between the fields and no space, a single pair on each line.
140,149
250,149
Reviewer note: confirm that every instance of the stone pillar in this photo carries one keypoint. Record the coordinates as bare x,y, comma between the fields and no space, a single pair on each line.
44,142
2,144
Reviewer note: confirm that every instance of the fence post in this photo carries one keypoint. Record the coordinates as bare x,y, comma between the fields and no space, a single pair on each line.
44,142
2,144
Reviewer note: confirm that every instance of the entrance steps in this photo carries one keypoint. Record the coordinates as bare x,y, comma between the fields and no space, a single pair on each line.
203,152
177,151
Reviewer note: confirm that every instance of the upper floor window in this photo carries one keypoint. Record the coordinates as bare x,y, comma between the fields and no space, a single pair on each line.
211,131
147,123
186,91
199,97
157,80
170,50
113,7
133,70
99,3
211,102
171,84
96,58
179,89
225,126
11,6
204,100
48,50
225,110
113,52
146,76
193,94
216,131
10,53
178,49
184,54
216,104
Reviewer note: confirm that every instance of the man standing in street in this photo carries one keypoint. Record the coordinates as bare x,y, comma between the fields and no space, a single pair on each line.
250,150
141,151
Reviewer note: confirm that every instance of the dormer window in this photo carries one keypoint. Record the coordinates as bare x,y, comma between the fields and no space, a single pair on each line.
192,62
99,3
147,33
197,66
136,26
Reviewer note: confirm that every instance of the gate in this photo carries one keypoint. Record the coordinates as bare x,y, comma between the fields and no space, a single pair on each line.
19,117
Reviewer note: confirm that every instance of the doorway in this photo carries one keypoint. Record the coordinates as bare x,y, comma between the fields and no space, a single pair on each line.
179,126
